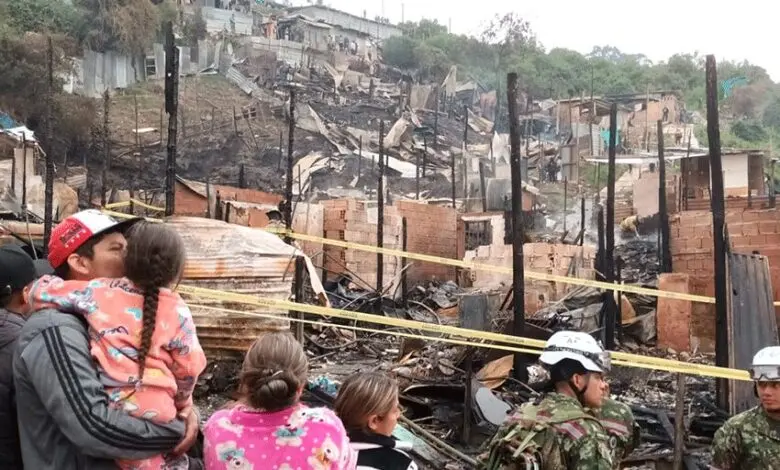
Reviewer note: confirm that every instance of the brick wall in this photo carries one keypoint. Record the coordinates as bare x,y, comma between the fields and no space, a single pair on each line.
749,230
192,203
683,325
188,202
545,258
431,230
352,221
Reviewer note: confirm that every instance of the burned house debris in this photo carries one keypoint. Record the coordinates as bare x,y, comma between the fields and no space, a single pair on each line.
375,192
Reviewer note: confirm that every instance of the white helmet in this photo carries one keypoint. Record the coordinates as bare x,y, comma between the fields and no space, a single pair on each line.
577,346
766,365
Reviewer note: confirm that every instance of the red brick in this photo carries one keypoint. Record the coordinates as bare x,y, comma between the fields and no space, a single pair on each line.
767,227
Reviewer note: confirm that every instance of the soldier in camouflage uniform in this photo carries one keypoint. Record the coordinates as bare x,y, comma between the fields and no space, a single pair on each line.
559,432
751,440
622,428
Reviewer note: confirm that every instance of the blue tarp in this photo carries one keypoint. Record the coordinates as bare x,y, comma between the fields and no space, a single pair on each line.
7,122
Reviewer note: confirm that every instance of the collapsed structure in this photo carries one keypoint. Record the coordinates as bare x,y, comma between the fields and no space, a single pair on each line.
445,167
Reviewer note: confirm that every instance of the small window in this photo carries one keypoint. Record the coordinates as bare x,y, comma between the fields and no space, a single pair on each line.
151,66
478,234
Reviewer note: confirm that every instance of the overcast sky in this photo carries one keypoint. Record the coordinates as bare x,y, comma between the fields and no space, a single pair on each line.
746,29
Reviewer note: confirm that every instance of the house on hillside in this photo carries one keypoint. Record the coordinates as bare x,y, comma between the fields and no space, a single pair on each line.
347,21
743,176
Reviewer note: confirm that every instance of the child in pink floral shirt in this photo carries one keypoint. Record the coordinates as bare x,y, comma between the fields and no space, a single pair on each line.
269,429
141,332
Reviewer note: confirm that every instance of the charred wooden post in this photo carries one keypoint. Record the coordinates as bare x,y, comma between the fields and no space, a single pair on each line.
601,244
218,207
619,307
582,220
518,271
172,108
380,225
468,399
565,197
609,252
360,156
13,175
435,120
300,271
772,193
288,192
404,285
465,162
452,175
106,149
417,176
24,174
241,176
483,186
679,424
663,211
718,228
425,154
48,195
281,149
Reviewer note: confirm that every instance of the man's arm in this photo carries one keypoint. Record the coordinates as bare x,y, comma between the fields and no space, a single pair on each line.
726,448
62,372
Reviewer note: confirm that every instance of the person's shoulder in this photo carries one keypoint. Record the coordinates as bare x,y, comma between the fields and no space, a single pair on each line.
47,319
613,409
746,418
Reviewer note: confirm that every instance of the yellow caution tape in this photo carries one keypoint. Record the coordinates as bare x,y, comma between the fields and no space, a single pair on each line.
500,269
115,205
631,360
626,288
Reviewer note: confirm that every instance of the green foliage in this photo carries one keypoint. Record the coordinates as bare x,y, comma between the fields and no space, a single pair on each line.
45,16
509,44
749,131
771,117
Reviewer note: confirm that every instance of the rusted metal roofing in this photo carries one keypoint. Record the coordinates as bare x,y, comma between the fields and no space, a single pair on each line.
237,259
752,321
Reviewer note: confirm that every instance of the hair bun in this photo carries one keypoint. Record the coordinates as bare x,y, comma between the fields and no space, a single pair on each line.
271,391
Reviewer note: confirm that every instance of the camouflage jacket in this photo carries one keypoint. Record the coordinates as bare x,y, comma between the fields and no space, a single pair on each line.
748,441
619,422
557,432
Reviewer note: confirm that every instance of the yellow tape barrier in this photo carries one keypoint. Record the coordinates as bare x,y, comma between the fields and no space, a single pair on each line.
478,266
619,358
115,205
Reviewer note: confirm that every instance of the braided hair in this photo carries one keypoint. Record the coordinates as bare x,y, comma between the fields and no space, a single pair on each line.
155,259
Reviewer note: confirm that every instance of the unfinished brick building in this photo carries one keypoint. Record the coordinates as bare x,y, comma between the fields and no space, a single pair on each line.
431,230
684,324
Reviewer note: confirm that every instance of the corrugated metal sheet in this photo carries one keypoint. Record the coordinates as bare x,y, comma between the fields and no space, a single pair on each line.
246,85
237,259
752,321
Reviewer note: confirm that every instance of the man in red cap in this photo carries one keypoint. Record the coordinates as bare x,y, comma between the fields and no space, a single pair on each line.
65,421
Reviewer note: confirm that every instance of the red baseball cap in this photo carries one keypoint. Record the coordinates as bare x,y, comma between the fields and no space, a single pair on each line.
75,230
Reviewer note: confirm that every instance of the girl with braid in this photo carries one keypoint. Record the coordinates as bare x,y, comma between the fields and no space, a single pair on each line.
141,332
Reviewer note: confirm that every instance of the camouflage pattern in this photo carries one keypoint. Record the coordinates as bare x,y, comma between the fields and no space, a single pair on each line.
622,428
558,433
748,441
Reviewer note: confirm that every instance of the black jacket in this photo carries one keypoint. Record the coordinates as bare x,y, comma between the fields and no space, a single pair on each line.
376,452
10,450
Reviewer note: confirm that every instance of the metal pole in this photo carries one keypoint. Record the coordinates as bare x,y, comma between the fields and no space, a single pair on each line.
281,149
289,186
666,254
106,149
172,108
465,175
609,228
380,232
718,228
518,271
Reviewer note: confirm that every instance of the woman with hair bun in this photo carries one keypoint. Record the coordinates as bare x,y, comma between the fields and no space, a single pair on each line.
269,428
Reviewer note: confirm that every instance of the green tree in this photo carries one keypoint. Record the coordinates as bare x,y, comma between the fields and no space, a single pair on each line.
399,52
